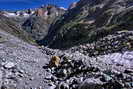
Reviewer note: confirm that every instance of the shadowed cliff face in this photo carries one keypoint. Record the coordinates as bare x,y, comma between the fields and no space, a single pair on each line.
89,21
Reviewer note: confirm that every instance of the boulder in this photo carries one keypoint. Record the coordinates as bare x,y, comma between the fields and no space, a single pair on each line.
91,83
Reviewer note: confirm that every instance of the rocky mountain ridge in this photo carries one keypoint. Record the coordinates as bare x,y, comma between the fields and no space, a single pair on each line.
35,22
39,23
10,26
89,21
28,12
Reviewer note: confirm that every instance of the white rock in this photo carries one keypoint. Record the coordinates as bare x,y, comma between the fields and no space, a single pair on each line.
9,65
128,55
116,57
7,14
63,8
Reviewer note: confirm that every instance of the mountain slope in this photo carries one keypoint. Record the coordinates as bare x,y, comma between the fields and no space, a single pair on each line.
89,21
38,24
10,26
19,62
35,22
103,59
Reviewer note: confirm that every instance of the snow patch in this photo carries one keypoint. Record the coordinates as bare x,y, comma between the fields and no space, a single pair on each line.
63,8
10,14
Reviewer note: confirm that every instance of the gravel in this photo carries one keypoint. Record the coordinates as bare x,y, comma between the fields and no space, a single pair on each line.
24,66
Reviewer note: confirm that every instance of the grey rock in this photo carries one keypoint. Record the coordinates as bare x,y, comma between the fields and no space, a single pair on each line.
91,84
51,86
106,78
1,76
48,76
63,85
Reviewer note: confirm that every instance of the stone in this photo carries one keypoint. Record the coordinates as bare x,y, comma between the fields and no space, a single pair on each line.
3,87
9,65
63,85
62,73
48,76
65,72
105,78
128,71
91,83
8,87
128,55
116,57
53,78
66,59
50,86
129,45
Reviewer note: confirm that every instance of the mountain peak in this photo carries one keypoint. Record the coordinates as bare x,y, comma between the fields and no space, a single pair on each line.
73,5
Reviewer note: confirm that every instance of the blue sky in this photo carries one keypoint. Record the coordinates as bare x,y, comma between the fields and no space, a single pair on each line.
24,4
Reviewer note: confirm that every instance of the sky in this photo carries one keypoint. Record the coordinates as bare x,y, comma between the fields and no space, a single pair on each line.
25,4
